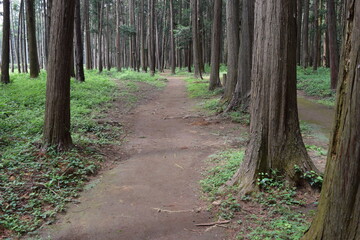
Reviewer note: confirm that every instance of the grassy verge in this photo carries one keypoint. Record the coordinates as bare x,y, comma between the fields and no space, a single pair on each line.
278,211
36,184
316,84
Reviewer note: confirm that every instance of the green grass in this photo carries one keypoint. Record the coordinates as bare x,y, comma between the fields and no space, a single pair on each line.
36,184
317,84
155,80
198,88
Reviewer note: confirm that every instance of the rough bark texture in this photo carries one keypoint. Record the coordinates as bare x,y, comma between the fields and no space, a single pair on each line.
216,46
195,38
241,96
333,48
275,139
57,110
338,215
79,56
31,37
232,30
299,20
5,52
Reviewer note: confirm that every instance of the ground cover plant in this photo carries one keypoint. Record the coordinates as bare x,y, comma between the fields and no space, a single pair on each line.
36,183
316,84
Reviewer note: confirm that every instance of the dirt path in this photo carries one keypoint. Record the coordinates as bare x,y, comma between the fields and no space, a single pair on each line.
154,194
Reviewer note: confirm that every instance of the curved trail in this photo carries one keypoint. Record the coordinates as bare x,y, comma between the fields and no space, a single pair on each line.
154,194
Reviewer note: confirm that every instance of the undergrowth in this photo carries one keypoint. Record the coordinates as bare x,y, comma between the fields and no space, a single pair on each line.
317,84
36,184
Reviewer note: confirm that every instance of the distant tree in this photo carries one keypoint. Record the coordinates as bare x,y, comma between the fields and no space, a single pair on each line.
151,41
232,30
216,45
241,96
57,109
305,36
79,56
338,215
172,38
333,46
195,38
5,53
31,38
275,139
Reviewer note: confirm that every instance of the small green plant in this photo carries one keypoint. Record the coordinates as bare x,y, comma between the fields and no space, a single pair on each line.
320,151
313,178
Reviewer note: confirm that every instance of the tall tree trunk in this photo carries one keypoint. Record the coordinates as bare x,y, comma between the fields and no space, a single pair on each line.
241,96
333,48
79,56
47,28
299,20
151,41
172,39
316,42
275,139
118,36
17,45
142,37
216,46
232,26
31,37
57,109
89,64
5,52
100,29
305,35
339,206
195,39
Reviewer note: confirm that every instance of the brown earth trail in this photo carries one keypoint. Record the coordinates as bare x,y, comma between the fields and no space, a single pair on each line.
154,193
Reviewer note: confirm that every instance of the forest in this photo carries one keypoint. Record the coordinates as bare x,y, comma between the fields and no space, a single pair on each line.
180,119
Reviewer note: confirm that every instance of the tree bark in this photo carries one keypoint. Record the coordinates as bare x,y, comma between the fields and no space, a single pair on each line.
151,41
216,46
275,139
338,215
31,37
316,42
333,48
100,30
57,110
172,39
142,38
305,35
299,20
232,26
89,64
79,56
241,96
47,28
5,52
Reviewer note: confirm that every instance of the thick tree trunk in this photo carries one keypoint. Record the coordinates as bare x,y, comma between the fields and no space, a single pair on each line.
333,48
241,96
5,52
172,39
338,215
216,46
232,26
275,139
57,110
195,39
79,56
31,37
